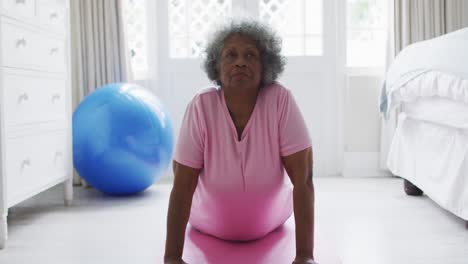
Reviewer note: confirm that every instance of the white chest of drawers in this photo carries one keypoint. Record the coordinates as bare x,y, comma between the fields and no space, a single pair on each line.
35,101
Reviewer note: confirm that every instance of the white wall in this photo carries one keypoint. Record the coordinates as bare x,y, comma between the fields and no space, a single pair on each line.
361,117
362,126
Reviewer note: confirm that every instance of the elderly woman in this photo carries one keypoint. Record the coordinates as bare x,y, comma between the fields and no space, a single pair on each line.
235,142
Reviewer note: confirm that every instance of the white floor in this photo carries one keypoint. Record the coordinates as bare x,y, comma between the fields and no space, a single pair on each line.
362,220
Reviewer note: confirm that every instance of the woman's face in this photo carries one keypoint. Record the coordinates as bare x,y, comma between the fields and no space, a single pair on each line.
240,64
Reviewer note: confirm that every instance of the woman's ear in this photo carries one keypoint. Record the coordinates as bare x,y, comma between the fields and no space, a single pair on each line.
217,71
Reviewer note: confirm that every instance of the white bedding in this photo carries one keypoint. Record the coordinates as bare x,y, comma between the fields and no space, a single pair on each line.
438,110
442,60
433,83
434,158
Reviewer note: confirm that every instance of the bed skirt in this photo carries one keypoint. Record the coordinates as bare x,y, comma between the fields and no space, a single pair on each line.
434,158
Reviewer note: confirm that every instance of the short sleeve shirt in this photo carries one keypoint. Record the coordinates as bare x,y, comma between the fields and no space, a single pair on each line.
242,193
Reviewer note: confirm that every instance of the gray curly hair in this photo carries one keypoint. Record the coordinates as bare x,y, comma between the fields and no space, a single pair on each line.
268,44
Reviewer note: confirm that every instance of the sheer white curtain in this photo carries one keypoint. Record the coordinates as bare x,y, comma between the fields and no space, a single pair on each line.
412,21
99,52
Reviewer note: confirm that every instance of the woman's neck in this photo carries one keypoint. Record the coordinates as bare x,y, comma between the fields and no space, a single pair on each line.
238,99
240,106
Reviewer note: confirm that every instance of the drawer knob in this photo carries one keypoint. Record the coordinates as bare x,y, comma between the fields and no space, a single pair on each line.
56,97
25,162
53,15
21,42
23,97
20,2
53,50
58,154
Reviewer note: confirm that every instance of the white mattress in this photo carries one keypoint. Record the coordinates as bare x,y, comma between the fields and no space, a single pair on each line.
438,110
434,158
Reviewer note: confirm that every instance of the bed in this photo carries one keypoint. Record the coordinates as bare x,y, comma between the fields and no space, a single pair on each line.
426,90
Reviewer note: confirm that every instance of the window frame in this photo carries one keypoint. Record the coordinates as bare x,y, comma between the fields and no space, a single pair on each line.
249,9
363,70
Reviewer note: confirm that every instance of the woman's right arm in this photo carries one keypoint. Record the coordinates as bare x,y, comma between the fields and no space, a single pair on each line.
180,202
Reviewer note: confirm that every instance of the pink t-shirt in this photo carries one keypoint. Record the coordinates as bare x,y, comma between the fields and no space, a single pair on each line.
243,192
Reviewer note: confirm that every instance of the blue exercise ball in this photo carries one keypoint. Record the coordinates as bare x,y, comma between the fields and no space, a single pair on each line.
122,139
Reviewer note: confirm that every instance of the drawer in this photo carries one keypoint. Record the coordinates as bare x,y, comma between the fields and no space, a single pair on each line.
52,55
27,49
34,161
20,8
17,46
52,13
32,99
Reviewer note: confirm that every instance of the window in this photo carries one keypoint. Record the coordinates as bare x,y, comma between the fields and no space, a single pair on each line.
299,23
190,21
366,33
134,15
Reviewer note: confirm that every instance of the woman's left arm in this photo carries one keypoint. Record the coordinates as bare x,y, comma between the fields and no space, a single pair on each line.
299,168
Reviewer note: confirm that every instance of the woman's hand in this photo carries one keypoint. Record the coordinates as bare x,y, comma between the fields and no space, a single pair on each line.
304,260
174,261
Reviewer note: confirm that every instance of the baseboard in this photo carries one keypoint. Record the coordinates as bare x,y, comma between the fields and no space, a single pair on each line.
166,179
167,176
363,164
